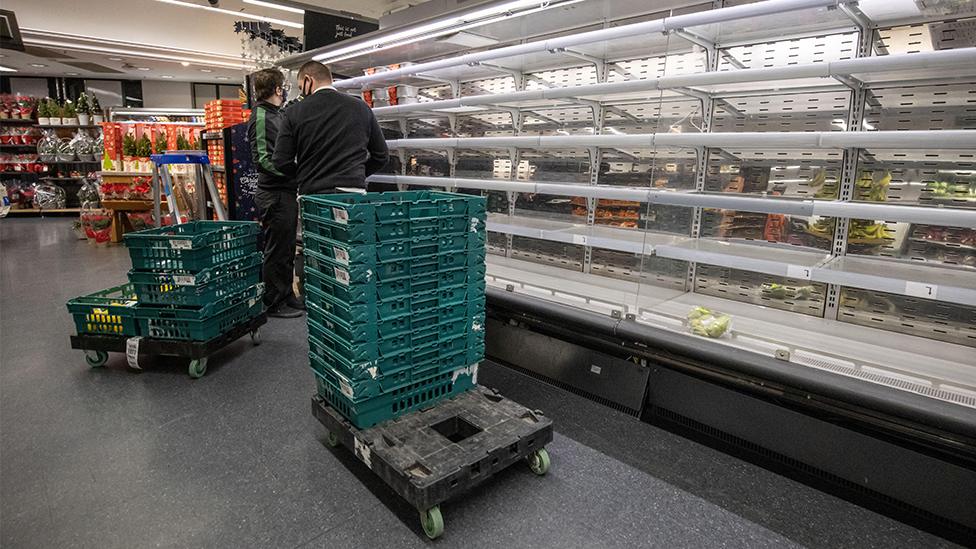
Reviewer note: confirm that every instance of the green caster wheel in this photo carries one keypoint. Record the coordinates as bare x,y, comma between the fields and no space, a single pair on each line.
198,367
256,337
432,521
96,359
539,461
332,440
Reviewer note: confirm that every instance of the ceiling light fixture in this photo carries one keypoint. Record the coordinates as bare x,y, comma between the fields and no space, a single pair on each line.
206,70
274,6
114,58
71,74
38,65
441,27
7,69
238,14
136,53
223,78
166,76
143,68
185,63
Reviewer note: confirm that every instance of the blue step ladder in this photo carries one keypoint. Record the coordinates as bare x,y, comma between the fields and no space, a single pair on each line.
163,184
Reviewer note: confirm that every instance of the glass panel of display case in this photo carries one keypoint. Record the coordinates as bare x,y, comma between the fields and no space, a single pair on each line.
799,296
910,315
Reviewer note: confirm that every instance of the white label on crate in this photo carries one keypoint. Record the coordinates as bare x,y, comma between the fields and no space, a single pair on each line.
362,452
921,289
184,280
474,224
342,275
579,239
595,369
798,272
340,215
369,274
372,372
132,352
341,255
181,244
345,388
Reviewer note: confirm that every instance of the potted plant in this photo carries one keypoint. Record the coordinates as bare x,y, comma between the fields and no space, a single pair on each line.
129,153
55,112
159,145
25,107
84,109
44,113
144,151
69,114
96,110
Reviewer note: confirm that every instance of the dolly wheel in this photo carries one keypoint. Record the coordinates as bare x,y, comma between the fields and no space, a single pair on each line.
539,461
332,440
433,522
198,367
256,337
96,359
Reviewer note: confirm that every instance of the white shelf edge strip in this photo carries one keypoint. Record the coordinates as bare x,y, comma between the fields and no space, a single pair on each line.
815,268
912,140
942,59
954,217
677,22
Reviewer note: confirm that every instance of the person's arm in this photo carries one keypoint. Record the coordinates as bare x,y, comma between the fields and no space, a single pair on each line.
261,146
283,159
378,153
252,140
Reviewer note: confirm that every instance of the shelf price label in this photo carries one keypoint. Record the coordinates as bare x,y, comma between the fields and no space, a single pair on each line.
922,289
799,272
579,239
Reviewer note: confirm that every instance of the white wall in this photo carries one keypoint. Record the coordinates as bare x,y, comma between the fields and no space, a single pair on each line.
161,94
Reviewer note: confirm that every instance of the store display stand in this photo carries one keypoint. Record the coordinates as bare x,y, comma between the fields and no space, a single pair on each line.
97,347
435,454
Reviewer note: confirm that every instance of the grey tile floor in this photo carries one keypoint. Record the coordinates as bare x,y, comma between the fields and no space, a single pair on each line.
114,458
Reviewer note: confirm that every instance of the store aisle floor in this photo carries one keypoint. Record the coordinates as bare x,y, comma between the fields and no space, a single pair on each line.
115,458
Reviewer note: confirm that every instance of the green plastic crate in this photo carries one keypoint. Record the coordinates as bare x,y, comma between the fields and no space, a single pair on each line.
201,324
411,267
199,289
335,280
412,304
421,392
378,216
418,358
351,254
398,230
191,247
357,390
375,340
108,312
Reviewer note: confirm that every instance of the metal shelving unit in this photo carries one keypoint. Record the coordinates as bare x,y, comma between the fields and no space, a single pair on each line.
739,144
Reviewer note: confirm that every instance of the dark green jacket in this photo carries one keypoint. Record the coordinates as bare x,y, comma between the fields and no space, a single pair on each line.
262,133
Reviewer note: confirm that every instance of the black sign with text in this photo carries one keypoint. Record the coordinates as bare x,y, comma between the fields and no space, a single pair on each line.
322,29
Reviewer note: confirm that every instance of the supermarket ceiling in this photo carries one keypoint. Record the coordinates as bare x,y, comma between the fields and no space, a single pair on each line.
152,39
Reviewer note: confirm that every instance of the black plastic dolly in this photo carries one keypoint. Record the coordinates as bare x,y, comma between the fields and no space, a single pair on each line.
97,347
432,455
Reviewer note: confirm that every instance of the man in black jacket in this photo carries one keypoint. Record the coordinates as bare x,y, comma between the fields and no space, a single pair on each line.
329,140
276,197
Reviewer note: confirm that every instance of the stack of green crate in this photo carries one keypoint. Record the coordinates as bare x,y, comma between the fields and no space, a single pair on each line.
395,290
196,280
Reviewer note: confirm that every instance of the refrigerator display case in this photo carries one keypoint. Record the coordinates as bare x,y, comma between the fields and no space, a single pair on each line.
804,166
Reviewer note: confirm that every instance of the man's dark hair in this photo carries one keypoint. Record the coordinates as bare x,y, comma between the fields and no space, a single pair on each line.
265,82
316,70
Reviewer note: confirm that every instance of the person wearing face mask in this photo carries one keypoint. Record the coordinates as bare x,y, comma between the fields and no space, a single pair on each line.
276,198
329,141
